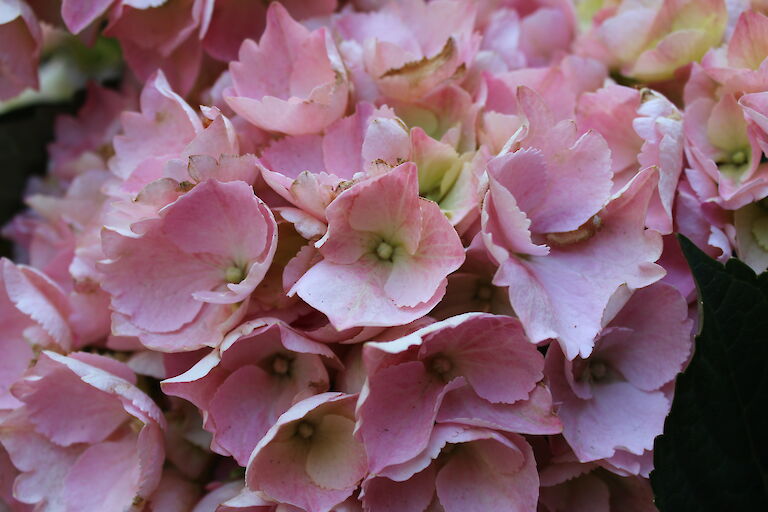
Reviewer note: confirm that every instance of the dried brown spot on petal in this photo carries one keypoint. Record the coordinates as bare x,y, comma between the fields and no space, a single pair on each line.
582,233
426,65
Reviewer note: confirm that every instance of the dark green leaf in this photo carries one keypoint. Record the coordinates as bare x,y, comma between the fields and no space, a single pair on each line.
713,454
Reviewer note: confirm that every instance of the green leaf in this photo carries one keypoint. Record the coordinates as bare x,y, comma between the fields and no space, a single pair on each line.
713,454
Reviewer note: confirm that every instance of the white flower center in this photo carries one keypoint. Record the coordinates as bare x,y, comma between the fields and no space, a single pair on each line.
305,430
280,365
384,251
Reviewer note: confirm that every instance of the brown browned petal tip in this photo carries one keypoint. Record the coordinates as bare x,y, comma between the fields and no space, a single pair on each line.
427,62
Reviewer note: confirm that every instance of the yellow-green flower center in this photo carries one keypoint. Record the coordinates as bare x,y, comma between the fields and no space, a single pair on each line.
234,274
385,251
739,157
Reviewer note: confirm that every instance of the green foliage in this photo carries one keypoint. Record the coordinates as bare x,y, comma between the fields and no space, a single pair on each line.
713,454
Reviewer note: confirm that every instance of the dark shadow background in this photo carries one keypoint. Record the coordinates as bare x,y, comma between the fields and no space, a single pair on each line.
24,134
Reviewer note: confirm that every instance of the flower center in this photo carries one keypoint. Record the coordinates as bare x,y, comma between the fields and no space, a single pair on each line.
234,274
484,292
384,251
441,365
739,157
598,370
280,365
305,430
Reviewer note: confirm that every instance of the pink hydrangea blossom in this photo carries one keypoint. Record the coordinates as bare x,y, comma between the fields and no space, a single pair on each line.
34,313
460,468
176,249
650,41
386,254
531,34
165,125
306,88
615,400
543,236
570,486
311,443
643,129
723,151
259,371
85,438
160,35
432,363
231,22
410,48
309,171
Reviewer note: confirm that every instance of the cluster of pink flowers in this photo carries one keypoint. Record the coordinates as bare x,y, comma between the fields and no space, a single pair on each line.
379,255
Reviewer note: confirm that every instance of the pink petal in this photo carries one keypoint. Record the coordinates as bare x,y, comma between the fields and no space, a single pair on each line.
279,465
17,356
621,252
413,277
618,416
610,111
581,169
532,416
336,460
661,127
491,352
393,426
351,295
493,473
209,220
43,465
232,23
749,44
388,206
506,228
658,346
146,300
242,408
174,493
21,38
134,401
306,88
164,127
290,156
78,15
36,296
50,408
105,475
385,495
